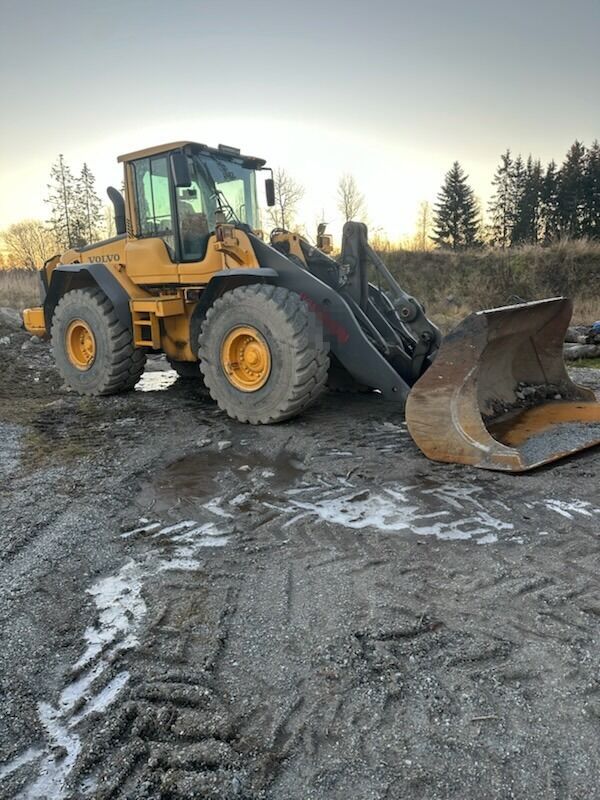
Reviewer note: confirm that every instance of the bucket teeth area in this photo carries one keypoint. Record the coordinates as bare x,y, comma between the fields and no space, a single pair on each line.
498,395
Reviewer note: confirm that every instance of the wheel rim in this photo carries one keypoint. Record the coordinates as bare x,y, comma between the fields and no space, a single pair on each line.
81,344
246,358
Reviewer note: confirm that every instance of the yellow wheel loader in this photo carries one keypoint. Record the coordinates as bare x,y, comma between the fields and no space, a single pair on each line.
266,326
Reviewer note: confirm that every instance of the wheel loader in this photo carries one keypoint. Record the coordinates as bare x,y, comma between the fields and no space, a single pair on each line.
266,326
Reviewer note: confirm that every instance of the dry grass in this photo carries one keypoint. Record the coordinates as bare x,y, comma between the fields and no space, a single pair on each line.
453,284
586,310
19,288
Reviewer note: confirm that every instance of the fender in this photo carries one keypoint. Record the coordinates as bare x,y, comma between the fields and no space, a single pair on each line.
222,282
77,276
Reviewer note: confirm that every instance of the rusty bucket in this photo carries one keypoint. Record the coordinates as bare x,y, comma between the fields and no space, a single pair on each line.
498,395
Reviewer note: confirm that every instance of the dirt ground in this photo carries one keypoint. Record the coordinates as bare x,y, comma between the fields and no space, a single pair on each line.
193,608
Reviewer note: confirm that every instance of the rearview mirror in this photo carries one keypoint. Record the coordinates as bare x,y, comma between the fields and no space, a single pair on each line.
180,169
270,191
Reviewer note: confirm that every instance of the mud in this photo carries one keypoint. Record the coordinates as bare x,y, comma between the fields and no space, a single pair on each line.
193,608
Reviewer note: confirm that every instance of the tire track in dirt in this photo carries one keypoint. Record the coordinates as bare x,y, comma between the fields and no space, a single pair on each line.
100,679
336,645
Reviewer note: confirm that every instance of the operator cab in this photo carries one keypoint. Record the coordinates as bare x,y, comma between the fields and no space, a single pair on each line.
179,192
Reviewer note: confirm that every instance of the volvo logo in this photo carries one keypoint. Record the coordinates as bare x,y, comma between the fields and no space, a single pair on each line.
105,259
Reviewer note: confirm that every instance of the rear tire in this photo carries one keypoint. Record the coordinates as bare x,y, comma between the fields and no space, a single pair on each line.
290,356
107,363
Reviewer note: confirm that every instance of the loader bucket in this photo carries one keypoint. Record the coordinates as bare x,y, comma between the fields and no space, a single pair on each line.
498,395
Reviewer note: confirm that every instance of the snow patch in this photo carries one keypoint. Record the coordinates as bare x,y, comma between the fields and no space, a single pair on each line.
446,512
567,509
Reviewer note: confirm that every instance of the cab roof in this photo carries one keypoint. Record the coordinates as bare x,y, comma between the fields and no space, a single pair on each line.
223,151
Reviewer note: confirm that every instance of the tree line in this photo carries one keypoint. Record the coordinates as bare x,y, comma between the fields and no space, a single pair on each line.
530,204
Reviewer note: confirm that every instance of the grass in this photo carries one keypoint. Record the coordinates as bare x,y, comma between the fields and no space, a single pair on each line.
593,363
19,288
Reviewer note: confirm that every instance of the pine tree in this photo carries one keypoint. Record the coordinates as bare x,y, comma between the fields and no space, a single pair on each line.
62,201
592,192
456,217
549,210
519,180
89,206
501,205
571,192
528,196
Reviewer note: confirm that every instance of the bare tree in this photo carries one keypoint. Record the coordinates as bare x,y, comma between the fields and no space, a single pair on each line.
351,203
29,243
288,194
422,239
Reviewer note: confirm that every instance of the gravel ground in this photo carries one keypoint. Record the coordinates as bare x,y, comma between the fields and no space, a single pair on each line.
193,608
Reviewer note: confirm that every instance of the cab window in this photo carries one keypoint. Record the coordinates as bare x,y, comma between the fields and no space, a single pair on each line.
155,213
193,220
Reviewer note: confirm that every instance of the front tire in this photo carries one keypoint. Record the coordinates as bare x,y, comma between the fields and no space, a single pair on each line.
262,354
93,350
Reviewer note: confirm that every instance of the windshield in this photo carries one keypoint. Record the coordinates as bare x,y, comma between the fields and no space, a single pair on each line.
230,187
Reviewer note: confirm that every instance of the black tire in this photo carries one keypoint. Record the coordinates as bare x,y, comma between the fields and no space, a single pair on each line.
298,354
117,365
188,370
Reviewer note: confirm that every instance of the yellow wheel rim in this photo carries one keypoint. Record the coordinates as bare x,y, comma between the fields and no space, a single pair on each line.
246,358
81,345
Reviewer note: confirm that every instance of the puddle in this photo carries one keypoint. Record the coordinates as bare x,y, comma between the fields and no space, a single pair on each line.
207,478
237,480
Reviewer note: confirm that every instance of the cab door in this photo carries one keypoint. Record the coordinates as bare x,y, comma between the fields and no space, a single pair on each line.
152,255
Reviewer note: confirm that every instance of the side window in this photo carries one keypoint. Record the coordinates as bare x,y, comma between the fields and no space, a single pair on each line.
154,199
193,221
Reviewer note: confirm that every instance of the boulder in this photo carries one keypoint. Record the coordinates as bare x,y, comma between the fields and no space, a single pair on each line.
9,318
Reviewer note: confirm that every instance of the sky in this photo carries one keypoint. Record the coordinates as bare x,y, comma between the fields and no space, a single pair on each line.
392,92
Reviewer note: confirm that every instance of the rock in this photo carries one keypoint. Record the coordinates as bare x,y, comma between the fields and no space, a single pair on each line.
575,351
25,346
572,335
35,340
59,752
223,445
359,497
10,318
5,340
